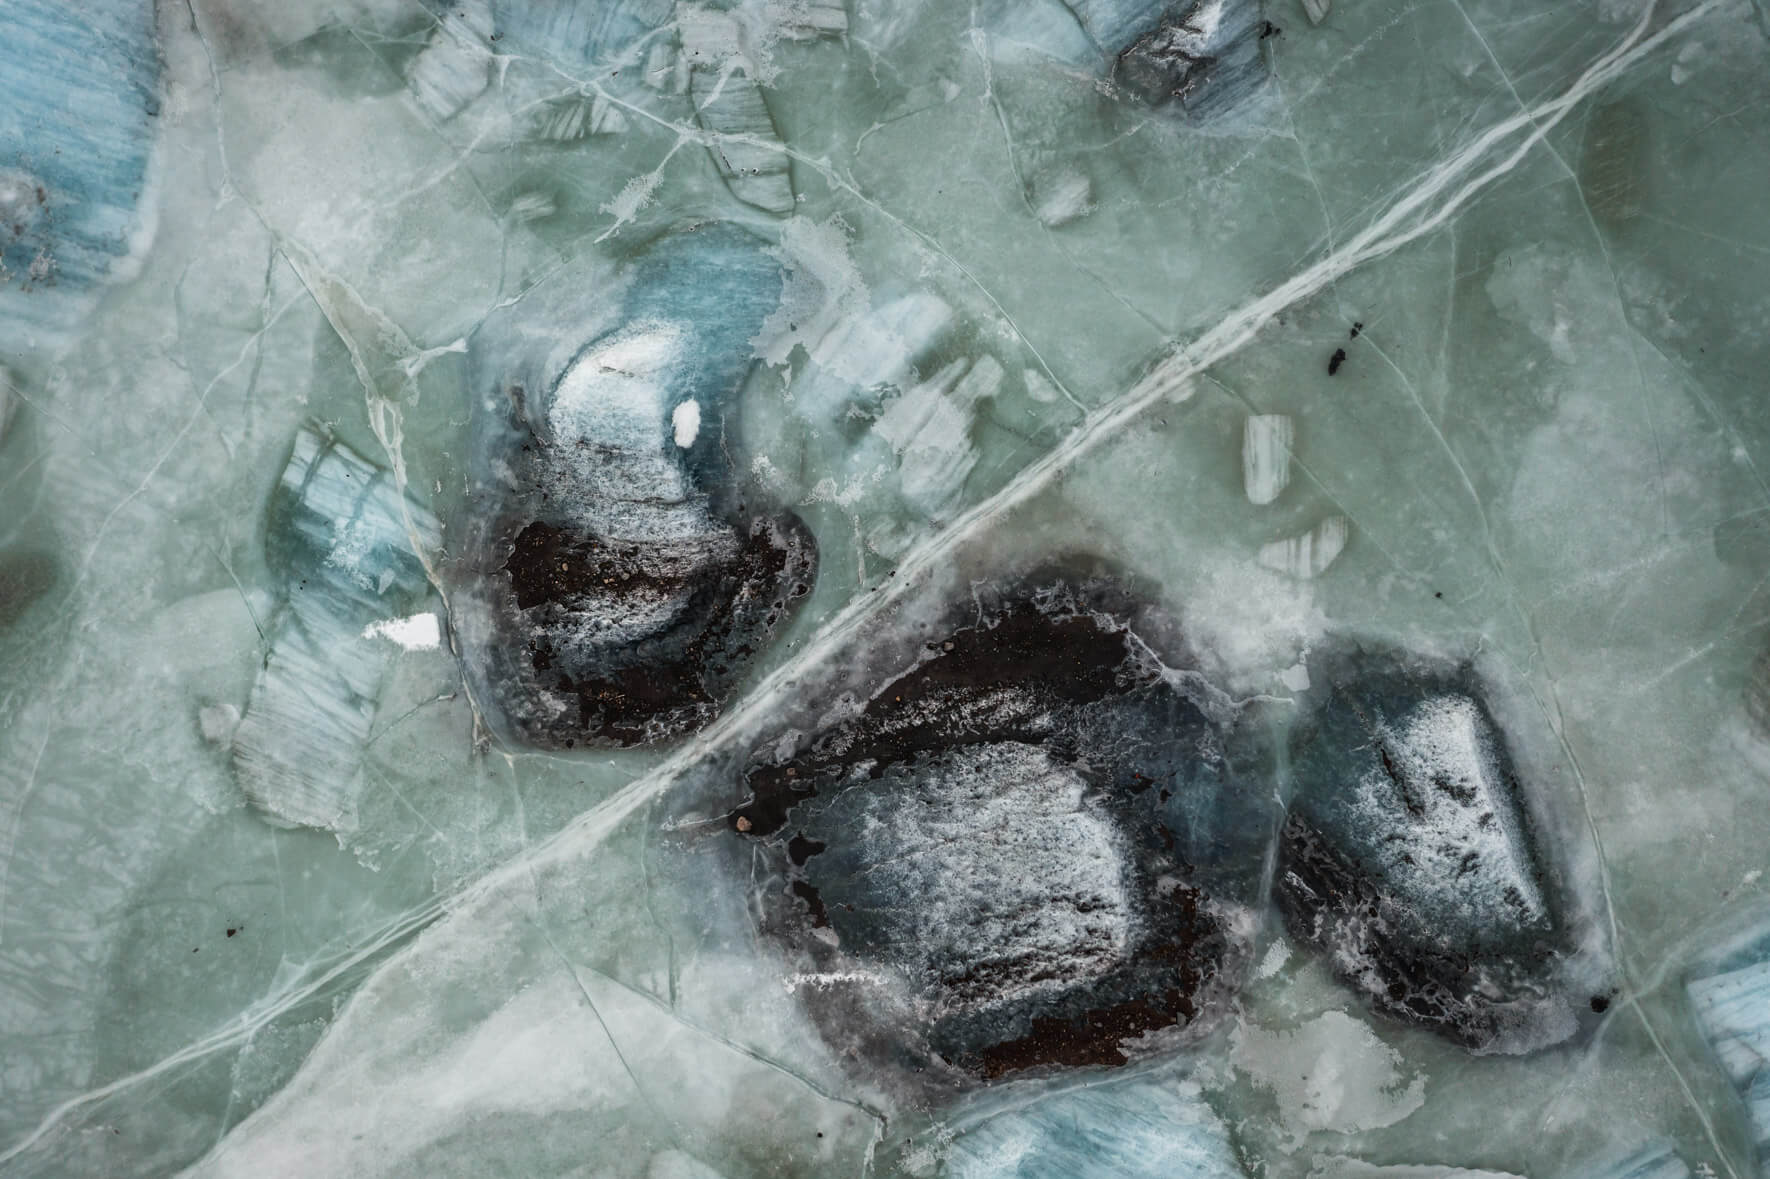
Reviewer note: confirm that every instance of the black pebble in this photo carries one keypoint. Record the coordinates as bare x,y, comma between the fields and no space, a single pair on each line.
1336,360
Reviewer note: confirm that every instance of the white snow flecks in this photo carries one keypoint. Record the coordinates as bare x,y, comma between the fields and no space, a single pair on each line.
1329,1073
1309,555
1266,456
997,832
1470,864
1277,954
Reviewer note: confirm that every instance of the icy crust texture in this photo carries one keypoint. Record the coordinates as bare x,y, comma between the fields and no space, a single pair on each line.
1009,847
1136,1130
1408,859
621,573
80,88
1201,60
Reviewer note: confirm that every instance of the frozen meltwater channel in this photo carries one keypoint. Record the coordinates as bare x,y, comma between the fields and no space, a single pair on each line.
800,588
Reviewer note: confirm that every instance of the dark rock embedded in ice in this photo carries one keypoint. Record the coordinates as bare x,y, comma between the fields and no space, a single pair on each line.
621,571
1202,57
1408,857
1034,832
1205,56
79,92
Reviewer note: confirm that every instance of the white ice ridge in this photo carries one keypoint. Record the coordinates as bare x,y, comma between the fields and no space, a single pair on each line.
1413,214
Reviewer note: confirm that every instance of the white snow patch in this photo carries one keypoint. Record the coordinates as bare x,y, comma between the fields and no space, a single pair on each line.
685,422
420,632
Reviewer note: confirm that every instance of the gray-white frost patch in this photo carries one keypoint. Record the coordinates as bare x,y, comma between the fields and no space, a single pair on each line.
1331,1073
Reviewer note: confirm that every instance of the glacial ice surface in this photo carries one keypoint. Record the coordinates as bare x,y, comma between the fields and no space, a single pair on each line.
1435,329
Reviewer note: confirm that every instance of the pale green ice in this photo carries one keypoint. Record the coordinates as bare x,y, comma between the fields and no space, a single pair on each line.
1547,444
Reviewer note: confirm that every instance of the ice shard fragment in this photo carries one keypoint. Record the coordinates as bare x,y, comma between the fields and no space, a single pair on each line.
80,85
622,570
1408,858
1030,845
455,66
1614,162
1316,10
1657,1160
1309,555
1266,456
728,102
1137,1130
1730,994
1200,59
929,427
342,538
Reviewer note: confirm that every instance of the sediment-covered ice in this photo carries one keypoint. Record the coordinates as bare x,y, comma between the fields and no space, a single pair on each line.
1040,837
1202,59
1409,858
622,570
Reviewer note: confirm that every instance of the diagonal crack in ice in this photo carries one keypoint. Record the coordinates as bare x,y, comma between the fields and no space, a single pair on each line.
1433,200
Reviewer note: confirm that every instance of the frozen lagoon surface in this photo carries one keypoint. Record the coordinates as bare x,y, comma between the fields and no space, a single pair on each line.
803,588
